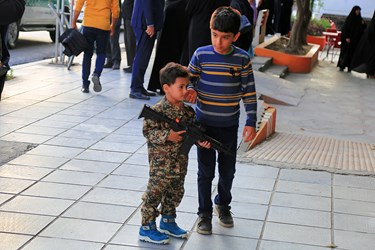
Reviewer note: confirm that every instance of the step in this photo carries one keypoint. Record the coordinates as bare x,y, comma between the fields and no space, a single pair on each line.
277,70
261,63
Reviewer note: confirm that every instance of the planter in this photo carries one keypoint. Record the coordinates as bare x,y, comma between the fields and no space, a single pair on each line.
319,40
295,63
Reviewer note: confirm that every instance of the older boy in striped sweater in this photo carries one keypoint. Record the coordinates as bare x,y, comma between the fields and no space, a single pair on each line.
221,76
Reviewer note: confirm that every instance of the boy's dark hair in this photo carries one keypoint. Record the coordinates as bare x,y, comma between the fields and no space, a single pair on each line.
225,19
171,71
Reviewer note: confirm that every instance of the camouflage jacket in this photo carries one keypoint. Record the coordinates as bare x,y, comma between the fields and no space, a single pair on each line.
163,155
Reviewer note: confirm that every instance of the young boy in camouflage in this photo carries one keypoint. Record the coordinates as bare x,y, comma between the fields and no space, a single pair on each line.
167,166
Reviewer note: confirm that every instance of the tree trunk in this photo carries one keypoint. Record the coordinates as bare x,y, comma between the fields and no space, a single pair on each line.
299,30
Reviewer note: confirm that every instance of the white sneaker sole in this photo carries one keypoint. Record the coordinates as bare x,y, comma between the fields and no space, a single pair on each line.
182,236
147,239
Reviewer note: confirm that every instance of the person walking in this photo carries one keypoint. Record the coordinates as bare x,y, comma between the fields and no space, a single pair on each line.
352,31
147,20
96,28
364,56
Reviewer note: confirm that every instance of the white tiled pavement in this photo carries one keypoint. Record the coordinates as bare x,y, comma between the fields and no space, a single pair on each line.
81,187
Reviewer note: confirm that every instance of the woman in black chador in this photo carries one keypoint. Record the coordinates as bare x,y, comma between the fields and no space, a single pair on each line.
351,34
199,13
364,56
171,40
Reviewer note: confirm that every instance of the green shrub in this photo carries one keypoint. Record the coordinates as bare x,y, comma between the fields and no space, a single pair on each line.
317,26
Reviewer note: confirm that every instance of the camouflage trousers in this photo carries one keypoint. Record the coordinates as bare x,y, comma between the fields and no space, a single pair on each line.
166,192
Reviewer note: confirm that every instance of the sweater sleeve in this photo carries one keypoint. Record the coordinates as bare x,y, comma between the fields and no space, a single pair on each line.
249,93
194,70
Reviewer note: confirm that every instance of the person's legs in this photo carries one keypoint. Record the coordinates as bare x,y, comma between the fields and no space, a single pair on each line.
130,42
115,46
172,198
2,82
87,55
149,211
226,168
145,45
108,52
101,38
206,173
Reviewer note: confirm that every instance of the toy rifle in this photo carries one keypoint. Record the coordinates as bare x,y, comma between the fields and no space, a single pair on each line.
193,132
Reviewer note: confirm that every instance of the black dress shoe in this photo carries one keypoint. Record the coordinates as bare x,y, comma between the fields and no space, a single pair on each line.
85,90
148,93
138,95
108,65
127,69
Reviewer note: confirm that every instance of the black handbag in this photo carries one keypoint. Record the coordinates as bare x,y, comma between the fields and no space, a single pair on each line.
74,42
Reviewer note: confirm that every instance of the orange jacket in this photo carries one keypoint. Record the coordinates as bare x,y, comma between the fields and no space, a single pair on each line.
97,13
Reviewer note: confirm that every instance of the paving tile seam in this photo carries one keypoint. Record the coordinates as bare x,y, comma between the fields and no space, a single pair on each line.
269,206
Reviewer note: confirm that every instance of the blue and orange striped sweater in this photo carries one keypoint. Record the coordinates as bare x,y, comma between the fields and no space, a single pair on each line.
221,82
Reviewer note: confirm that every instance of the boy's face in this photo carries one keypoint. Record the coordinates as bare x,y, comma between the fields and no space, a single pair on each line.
222,41
175,93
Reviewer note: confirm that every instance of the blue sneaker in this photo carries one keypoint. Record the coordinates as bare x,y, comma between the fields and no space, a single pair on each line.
149,233
169,226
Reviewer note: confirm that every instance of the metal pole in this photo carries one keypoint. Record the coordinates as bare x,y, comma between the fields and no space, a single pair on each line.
57,31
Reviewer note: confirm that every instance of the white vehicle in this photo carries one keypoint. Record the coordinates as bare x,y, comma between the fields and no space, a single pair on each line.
37,17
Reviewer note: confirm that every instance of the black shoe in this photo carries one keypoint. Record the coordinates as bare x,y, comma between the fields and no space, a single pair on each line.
148,93
204,224
127,69
224,215
3,70
137,95
108,65
85,90
116,65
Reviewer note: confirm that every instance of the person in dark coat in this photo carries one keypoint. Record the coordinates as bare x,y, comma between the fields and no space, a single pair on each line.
129,37
147,20
10,11
351,34
245,39
282,19
199,13
4,57
270,6
171,40
364,56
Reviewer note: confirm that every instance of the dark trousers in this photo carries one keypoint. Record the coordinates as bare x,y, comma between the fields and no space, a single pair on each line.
100,38
4,56
145,44
226,169
130,42
113,47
